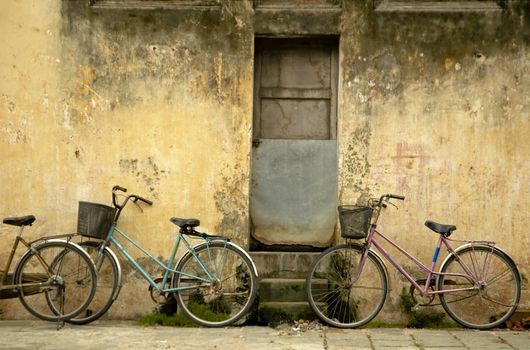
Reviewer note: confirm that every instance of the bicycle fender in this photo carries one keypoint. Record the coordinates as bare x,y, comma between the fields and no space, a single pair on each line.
465,246
227,243
377,257
382,261
115,257
53,240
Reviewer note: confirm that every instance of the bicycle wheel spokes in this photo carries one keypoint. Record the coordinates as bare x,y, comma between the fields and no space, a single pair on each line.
108,283
223,299
488,301
340,298
64,289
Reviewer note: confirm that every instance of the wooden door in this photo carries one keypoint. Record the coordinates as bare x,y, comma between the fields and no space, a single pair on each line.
294,159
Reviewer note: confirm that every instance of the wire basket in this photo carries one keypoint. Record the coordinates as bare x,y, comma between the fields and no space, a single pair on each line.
94,220
354,221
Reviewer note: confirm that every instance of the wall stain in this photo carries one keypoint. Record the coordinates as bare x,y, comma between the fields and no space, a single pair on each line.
356,166
231,204
145,170
10,103
15,132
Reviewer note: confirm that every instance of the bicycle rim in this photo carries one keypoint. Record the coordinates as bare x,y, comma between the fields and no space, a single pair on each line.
109,279
333,296
68,287
228,298
491,302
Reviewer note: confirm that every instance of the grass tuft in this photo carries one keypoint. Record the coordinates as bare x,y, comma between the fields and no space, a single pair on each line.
426,318
177,320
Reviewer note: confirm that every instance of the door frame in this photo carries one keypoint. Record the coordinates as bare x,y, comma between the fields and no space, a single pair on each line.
335,101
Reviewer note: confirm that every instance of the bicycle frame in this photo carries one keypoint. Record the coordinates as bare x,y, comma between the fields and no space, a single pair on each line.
166,268
424,290
28,245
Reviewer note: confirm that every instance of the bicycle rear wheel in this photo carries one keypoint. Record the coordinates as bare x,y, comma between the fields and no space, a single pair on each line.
228,297
60,280
492,300
108,286
337,296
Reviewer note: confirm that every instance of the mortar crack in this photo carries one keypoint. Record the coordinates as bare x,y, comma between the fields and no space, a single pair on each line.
371,341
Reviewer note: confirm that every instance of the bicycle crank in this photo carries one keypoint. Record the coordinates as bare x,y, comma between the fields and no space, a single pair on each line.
420,299
156,294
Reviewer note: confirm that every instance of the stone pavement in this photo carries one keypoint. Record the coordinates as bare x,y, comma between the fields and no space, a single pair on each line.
129,335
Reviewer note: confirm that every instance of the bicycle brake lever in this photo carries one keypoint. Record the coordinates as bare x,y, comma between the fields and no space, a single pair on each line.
138,205
392,204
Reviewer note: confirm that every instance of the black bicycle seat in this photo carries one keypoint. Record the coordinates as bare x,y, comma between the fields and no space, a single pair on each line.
185,222
445,230
20,220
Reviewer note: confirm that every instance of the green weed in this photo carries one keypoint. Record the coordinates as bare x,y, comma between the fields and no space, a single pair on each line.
426,318
177,320
202,311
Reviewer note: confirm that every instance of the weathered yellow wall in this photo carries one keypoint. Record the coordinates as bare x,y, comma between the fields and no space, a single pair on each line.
436,107
161,103
152,102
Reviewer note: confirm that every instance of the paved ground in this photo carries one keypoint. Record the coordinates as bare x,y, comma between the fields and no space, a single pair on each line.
128,335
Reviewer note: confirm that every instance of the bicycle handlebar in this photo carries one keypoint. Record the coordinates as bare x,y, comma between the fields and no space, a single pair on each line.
386,197
119,188
134,198
396,196
141,199
379,205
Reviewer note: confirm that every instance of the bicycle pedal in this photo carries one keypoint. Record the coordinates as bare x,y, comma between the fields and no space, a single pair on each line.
416,307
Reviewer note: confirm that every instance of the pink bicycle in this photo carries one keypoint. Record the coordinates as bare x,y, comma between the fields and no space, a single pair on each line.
478,284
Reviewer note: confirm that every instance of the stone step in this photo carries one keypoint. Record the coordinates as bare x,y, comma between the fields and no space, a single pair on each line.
282,290
282,264
286,289
282,312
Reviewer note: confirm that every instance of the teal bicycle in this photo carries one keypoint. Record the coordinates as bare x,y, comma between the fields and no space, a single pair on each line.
214,282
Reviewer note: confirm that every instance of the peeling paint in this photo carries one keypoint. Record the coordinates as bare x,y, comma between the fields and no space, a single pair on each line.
145,170
230,202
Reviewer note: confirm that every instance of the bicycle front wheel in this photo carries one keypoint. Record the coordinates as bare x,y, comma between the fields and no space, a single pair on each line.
337,295
226,295
487,299
108,286
57,280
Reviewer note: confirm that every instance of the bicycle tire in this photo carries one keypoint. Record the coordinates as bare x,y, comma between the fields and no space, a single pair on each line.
481,308
108,283
221,303
70,288
333,297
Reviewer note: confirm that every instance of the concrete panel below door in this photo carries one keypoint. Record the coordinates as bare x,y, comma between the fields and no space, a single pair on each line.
294,192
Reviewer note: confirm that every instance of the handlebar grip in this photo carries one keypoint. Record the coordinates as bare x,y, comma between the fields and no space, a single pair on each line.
146,201
396,196
119,188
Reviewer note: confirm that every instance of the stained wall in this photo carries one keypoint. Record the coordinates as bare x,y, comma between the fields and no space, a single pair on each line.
433,106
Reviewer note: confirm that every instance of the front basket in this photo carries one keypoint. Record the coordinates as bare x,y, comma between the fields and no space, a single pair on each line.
354,221
94,220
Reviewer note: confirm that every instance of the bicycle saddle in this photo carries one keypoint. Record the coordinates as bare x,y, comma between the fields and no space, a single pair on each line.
185,222
445,230
20,221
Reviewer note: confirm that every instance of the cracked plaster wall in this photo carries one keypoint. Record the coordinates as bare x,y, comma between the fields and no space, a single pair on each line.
434,107
149,100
